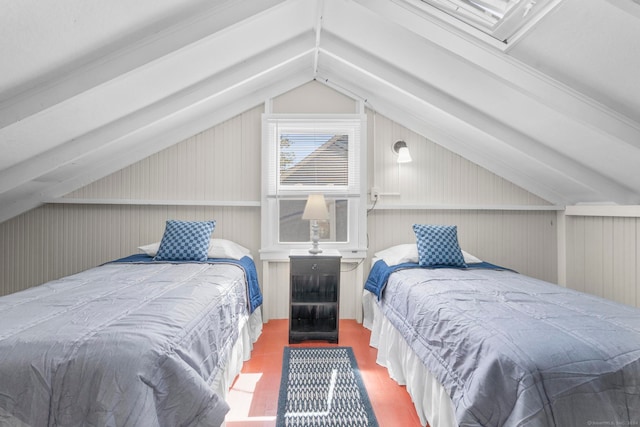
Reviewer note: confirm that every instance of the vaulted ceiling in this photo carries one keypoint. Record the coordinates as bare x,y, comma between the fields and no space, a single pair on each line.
87,88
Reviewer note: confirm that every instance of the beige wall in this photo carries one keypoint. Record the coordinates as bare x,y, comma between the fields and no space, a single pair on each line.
603,256
497,221
220,169
56,240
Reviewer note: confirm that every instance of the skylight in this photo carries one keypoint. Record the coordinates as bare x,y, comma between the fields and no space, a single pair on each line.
501,19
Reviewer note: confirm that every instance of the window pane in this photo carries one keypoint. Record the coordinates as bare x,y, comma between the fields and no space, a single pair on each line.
501,19
314,159
294,229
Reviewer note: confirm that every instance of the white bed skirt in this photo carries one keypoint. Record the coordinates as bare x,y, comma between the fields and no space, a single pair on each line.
430,399
250,330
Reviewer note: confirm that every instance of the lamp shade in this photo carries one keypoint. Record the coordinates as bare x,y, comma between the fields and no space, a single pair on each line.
316,208
401,149
403,155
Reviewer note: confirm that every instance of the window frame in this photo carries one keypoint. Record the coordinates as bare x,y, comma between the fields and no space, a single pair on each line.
353,125
504,28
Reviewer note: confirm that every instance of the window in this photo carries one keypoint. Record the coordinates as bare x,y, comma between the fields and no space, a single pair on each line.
305,154
501,19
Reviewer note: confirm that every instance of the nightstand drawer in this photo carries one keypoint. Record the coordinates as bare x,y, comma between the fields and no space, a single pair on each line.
315,266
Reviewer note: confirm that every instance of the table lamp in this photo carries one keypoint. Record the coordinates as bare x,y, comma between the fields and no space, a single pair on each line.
315,210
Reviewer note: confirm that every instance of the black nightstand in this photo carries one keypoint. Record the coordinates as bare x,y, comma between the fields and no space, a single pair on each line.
314,296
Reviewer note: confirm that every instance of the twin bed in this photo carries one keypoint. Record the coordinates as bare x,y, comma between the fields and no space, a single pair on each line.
479,345
147,340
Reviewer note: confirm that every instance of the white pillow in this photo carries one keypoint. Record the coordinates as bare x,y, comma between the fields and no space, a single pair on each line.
222,248
470,259
399,254
151,249
218,248
408,252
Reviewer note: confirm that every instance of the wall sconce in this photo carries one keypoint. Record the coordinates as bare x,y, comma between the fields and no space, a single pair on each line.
315,210
401,149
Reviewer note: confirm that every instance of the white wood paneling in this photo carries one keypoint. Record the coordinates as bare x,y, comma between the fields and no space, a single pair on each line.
57,240
436,176
275,287
221,163
603,256
444,188
523,241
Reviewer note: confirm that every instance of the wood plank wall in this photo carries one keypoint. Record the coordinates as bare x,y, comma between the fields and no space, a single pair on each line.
522,239
603,257
56,240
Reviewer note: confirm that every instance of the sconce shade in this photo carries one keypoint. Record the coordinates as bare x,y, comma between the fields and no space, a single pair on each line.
316,208
401,149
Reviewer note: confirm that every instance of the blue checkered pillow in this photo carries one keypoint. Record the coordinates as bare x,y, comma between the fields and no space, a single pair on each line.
438,245
185,241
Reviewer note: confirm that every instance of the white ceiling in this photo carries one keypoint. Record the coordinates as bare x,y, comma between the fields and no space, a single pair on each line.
88,88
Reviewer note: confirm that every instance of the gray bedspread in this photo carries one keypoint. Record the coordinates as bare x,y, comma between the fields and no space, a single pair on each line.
120,345
516,351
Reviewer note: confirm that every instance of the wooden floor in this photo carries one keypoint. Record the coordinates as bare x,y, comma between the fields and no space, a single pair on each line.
254,395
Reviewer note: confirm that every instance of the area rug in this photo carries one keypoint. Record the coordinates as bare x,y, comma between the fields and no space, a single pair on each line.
322,386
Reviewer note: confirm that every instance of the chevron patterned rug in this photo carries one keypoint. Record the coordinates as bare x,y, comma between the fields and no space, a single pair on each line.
321,386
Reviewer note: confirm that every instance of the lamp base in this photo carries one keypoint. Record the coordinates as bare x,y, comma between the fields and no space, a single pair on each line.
314,238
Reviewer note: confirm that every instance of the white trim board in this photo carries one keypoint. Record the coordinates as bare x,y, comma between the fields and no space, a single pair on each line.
144,202
629,211
380,206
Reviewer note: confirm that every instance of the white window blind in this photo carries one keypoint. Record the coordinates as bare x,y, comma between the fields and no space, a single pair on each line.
314,159
311,154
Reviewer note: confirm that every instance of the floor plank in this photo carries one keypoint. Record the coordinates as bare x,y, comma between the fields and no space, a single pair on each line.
254,395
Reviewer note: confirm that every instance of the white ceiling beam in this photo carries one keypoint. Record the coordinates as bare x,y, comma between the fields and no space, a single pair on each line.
360,64
143,86
318,28
107,63
265,64
397,106
143,141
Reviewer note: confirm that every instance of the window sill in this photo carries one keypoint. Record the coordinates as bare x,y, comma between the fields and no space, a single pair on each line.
281,254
